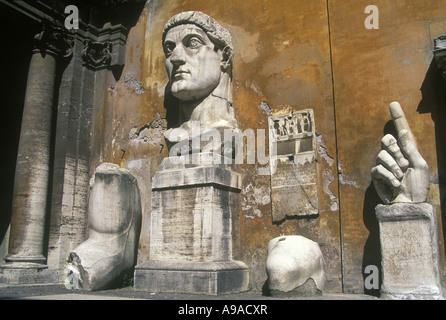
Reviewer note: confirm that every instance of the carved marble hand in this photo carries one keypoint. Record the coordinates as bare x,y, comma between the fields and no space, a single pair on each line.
401,174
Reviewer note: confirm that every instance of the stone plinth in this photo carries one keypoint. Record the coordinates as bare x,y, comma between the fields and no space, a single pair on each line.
409,250
26,273
212,278
194,241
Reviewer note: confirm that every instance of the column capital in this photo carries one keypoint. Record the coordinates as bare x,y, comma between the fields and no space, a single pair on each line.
54,40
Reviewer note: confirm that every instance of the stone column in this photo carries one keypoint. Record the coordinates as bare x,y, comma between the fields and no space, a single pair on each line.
29,208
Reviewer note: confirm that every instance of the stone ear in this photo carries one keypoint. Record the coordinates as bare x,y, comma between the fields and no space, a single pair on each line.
228,55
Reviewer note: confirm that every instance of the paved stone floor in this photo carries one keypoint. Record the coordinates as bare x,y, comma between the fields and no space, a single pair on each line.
59,292
176,306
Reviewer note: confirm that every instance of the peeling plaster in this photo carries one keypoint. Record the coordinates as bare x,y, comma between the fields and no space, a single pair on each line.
152,133
323,150
132,83
327,180
137,164
343,180
265,107
253,198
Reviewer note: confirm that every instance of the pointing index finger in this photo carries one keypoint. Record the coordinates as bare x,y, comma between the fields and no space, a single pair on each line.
399,119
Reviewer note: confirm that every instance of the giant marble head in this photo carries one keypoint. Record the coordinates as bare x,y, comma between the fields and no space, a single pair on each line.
199,54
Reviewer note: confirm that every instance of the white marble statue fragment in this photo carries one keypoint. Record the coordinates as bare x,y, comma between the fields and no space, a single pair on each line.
407,223
401,174
114,217
295,267
199,55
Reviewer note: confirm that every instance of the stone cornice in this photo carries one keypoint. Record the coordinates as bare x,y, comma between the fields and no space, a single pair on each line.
57,40
35,10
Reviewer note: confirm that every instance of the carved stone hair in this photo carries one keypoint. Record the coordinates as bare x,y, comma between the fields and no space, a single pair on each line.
216,33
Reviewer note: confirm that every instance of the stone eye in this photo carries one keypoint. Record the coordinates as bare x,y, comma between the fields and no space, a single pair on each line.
194,43
168,48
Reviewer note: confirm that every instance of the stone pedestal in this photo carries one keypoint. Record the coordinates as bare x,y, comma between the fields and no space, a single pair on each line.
194,241
409,250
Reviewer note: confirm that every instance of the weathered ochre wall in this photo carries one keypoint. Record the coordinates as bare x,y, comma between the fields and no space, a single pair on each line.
284,51
372,68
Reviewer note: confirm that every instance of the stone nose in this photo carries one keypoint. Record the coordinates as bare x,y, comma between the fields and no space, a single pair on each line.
177,58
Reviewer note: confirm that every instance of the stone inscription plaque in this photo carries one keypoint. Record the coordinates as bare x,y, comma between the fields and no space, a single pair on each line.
294,180
409,251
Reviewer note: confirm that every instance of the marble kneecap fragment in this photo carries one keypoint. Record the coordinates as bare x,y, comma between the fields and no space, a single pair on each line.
295,267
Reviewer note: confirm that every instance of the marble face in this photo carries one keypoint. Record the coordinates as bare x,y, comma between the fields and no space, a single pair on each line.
193,62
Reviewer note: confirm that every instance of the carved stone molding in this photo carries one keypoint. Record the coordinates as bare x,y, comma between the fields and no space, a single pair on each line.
103,48
97,55
440,53
54,40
